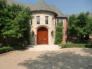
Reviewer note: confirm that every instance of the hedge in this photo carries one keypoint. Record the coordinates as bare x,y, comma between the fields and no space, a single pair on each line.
6,49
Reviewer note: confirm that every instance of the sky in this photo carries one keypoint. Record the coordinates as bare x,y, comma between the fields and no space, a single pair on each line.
66,6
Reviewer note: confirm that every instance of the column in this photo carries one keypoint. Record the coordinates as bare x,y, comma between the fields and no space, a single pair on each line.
64,37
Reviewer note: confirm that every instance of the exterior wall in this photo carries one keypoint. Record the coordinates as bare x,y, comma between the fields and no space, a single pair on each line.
50,26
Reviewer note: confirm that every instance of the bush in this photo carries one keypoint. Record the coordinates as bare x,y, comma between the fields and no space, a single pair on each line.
6,49
18,47
68,45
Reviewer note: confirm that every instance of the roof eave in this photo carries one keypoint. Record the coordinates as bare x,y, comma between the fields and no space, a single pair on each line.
44,11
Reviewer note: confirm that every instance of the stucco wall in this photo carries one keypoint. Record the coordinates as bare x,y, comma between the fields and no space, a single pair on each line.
50,26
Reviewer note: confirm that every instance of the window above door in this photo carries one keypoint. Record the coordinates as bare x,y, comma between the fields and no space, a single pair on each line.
38,19
46,19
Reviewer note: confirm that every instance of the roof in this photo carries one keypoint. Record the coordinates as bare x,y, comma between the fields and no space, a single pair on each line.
42,6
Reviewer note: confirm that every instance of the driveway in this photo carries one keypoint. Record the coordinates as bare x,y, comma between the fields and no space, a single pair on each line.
68,58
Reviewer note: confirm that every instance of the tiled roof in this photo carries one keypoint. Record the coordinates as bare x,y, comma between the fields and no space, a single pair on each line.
42,6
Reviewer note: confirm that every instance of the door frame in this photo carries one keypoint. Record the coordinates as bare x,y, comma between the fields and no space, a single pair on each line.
37,34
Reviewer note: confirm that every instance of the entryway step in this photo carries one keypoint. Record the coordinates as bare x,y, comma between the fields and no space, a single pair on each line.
44,48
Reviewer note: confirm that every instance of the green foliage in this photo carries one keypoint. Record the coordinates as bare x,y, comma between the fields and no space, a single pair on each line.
14,21
1,44
80,26
72,25
17,47
14,26
6,49
2,4
58,33
69,45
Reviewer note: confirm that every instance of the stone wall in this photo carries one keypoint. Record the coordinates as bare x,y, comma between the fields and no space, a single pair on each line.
50,26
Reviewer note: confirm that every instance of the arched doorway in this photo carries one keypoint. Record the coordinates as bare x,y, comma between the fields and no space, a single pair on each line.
42,35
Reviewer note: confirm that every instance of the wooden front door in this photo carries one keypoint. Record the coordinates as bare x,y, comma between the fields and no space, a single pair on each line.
42,36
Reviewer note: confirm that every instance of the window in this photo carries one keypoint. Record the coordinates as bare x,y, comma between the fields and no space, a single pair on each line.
38,19
46,19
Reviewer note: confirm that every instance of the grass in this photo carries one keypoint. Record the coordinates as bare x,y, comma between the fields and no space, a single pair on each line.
71,45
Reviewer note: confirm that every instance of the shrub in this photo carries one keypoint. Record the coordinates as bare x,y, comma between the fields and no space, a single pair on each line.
18,47
6,49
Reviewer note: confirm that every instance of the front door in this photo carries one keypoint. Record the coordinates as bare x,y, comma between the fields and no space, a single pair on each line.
42,36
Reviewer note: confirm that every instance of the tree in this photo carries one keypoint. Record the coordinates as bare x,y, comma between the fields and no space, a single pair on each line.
72,31
2,13
80,26
83,26
14,21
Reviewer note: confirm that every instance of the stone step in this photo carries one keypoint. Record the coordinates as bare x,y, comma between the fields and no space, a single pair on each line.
44,48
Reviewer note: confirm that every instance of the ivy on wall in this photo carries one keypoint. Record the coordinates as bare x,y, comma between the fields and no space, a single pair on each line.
59,33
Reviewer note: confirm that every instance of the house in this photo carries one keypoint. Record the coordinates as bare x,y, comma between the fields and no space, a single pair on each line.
44,22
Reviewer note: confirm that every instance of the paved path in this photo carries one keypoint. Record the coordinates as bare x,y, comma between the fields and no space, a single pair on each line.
69,58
